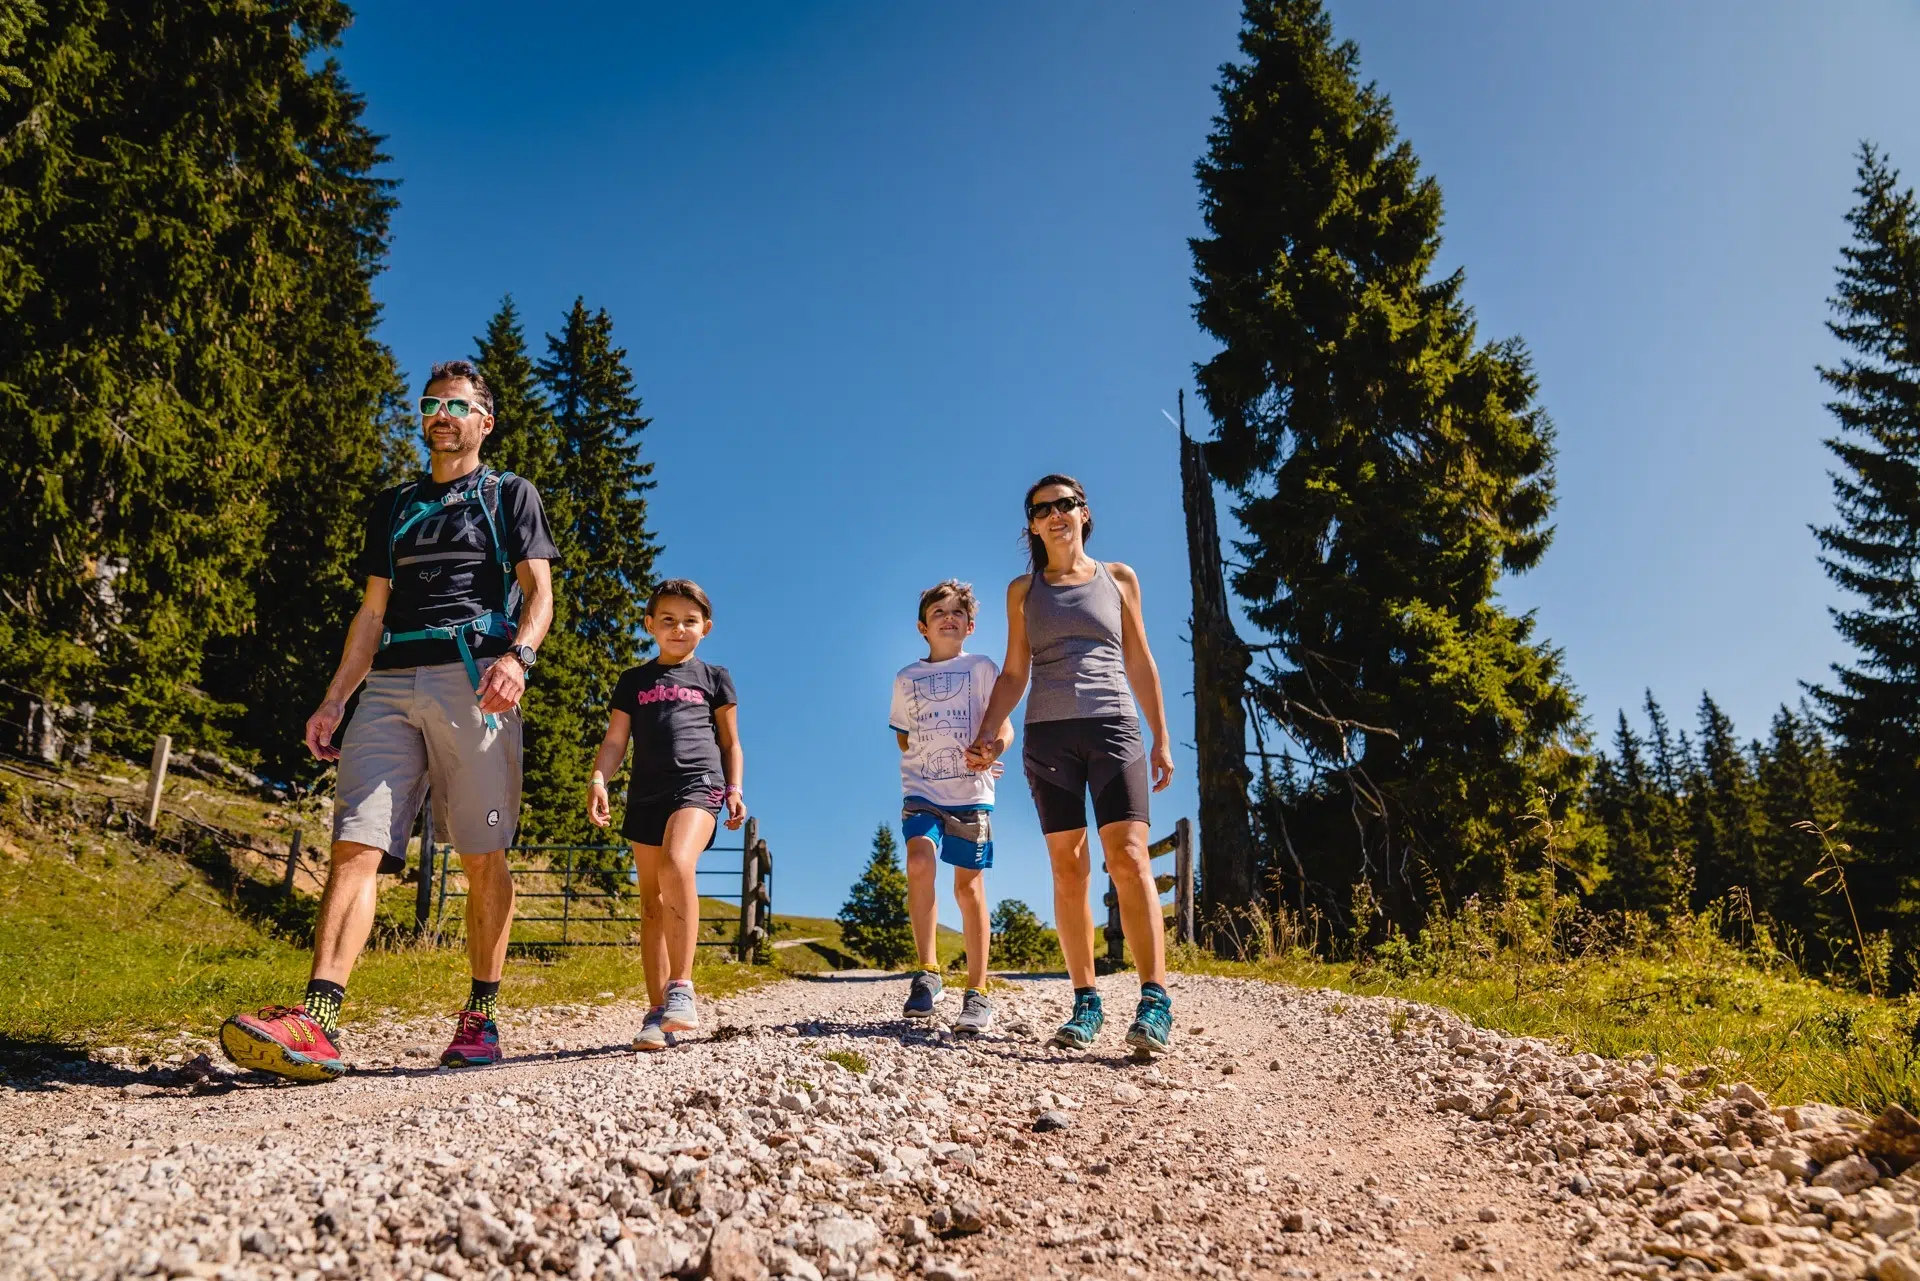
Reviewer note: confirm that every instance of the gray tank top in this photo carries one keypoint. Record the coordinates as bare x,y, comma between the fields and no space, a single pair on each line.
1074,633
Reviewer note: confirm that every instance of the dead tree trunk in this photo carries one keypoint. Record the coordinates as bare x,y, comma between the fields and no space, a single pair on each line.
1220,661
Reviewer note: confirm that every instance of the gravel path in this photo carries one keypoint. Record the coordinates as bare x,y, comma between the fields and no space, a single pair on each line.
1294,1134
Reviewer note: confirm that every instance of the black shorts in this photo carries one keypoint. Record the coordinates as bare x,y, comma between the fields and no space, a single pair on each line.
646,818
1066,759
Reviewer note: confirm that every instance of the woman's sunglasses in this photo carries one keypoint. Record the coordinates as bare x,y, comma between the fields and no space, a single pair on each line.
431,405
1036,511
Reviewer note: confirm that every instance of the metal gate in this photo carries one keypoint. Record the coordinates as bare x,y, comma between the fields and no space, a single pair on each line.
581,897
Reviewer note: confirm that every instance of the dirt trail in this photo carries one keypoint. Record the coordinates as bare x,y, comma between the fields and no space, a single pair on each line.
1293,1134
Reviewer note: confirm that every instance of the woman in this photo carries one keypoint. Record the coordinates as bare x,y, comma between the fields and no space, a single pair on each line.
1074,626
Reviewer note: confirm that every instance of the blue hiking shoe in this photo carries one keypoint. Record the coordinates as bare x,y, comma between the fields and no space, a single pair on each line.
1078,1032
1152,1030
924,994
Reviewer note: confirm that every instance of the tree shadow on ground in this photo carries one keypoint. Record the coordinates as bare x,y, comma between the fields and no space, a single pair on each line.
30,1065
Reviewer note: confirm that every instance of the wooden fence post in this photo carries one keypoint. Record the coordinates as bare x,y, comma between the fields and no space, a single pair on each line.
1116,936
293,862
1183,881
423,896
157,777
749,883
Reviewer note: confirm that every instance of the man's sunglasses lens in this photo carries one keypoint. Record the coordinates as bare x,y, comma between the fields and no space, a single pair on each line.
1062,505
431,405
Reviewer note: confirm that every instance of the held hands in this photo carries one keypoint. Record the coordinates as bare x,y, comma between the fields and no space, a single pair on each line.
984,755
599,812
320,728
1161,762
503,684
736,809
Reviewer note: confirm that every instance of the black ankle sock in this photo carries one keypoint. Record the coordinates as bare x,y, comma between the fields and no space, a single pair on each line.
483,996
1093,992
1153,989
323,1003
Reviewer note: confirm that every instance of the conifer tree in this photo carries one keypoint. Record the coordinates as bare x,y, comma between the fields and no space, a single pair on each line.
874,921
1390,466
607,553
1720,806
1872,550
188,229
1641,824
558,719
1797,781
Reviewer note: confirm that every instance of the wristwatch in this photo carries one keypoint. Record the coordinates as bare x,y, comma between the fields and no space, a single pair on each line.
524,653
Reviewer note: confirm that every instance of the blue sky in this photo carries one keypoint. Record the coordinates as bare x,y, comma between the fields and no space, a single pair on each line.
877,267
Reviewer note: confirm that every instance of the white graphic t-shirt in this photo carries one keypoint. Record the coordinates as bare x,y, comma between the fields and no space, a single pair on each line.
938,706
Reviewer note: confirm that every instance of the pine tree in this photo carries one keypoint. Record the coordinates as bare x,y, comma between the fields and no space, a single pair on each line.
188,226
560,722
1873,549
874,921
606,570
1720,806
1020,941
1797,781
1390,467
1639,819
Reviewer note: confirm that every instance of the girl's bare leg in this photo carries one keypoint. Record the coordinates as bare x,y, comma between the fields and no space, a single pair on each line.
688,831
1072,913
653,938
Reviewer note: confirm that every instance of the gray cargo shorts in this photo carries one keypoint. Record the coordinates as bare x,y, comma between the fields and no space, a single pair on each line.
416,725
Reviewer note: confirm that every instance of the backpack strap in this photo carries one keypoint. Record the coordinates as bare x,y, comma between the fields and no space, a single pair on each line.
400,520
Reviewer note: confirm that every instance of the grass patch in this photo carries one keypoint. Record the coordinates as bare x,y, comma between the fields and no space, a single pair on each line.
106,938
814,945
1693,1001
852,1060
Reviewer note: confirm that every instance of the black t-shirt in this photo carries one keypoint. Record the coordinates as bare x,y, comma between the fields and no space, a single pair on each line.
444,569
674,743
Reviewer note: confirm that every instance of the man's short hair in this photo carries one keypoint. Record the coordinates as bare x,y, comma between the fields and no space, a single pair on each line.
466,369
962,594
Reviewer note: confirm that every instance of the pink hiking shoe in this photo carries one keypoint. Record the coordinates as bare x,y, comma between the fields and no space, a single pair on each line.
476,1042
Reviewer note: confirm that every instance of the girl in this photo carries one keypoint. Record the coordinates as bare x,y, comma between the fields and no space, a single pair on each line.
1074,626
687,764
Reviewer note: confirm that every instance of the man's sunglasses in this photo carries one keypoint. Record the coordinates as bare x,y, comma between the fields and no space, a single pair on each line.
1035,511
431,405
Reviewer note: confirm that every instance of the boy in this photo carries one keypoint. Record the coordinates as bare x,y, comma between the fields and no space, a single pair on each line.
938,703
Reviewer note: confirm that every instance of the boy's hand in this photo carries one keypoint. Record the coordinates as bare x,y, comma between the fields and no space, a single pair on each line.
736,809
599,812
983,754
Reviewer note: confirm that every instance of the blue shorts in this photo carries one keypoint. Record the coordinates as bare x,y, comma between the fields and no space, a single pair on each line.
922,818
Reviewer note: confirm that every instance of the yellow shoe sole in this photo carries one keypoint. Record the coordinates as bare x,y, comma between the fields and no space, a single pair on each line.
258,1052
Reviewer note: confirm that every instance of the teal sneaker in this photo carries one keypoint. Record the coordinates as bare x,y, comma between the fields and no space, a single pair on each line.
1078,1032
1152,1030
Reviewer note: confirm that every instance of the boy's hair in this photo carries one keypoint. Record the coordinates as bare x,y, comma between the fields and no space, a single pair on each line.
961,592
686,589
448,370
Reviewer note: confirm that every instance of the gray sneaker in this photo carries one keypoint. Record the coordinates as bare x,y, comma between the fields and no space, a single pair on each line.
652,1036
677,1015
923,995
976,1014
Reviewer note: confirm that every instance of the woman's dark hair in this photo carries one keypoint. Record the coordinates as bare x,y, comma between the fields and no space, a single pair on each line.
1036,545
685,589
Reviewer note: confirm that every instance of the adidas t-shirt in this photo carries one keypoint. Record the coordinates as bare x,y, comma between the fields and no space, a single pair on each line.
939,707
674,742
444,570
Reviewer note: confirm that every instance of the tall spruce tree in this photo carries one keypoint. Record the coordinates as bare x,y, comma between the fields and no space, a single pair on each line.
1797,781
608,553
188,225
1873,549
1641,822
1721,797
874,921
1390,467
559,718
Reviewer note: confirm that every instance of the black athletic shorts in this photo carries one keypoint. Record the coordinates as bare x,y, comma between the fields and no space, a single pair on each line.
646,819
1066,759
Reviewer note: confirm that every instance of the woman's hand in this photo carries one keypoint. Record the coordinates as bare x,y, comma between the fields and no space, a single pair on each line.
736,809
599,811
984,751
1161,762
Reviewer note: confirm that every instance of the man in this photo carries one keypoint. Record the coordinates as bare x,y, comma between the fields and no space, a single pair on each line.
458,599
